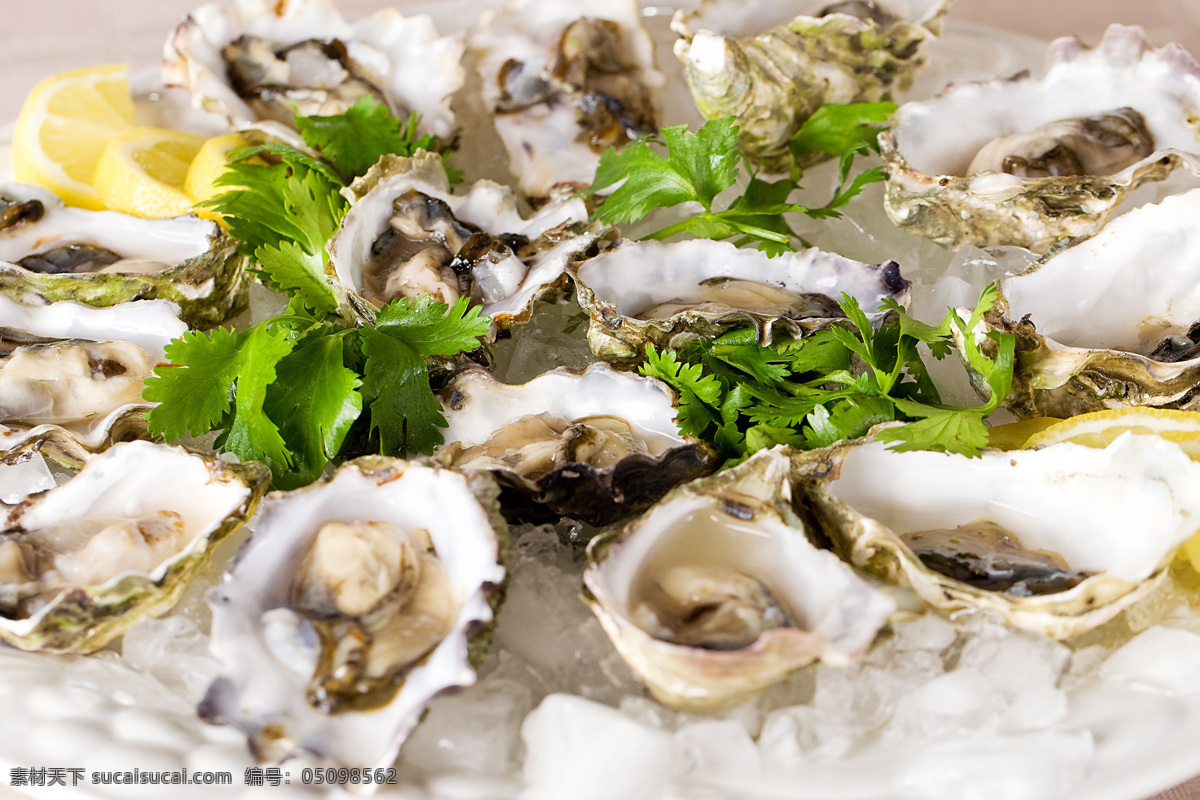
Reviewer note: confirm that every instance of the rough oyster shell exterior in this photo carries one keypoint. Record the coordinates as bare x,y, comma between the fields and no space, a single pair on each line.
134,480
476,406
930,144
835,614
186,260
618,284
259,692
773,81
1118,514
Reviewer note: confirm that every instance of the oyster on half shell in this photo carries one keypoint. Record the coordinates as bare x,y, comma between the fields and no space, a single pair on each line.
599,446
254,60
716,592
118,542
773,63
1024,161
1110,321
640,293
358,600
1055,541
55,252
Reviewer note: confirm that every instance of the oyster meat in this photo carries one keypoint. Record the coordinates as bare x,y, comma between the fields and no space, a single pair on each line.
598,446
357,601
55,252
565,81
773,63
406,235
1024,161
255,60
716,592
118,542
1056,541
640,293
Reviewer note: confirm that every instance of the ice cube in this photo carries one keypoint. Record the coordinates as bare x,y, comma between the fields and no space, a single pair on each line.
1160,659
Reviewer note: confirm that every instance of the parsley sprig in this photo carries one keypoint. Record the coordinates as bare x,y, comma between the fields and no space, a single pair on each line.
292,390
697,167
834,384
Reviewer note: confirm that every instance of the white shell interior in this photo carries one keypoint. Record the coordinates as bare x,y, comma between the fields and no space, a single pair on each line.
166,242
150,324
266,691
1120,510
640,275
1125,288
420,68
941,136
541,139
135,480
488,405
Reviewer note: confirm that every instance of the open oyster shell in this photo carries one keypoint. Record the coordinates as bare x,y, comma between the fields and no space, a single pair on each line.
72,376
1109,322
295,629
406,235
772,63
104,257
1076,533
1133,108
255,59
564,82
599,446
640,293
716,592
118,542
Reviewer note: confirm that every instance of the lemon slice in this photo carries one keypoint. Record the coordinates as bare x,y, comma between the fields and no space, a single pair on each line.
64,126
1099,428
142,172
208,165
1014,435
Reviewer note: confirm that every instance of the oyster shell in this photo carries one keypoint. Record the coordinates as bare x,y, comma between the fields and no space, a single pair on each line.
1124,111
118,542
1056,541
73,375
254,59
795,58
357,601
1108,322
565,81
640,293
406,235
599,446
716,592
104,257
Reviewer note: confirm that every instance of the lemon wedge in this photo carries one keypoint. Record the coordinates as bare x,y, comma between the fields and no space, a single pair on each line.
208,165
1099,428
1013,435
143,171
64,126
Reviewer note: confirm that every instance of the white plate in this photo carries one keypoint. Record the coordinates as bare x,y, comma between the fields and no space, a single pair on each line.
1119,732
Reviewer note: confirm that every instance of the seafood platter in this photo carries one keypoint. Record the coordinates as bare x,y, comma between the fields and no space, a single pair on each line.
573,590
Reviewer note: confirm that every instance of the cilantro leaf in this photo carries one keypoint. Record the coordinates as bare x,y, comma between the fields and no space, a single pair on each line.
948,430
193,391
314,400
396,390
251,435
842,130
353,141
432,328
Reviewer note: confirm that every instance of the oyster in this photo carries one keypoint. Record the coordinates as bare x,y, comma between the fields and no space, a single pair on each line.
598,446
357,601
256,59
104,257
642,293
406,235
565,81
1110,321
772,64
716,592
1020,161
118,542
73,374
1056,541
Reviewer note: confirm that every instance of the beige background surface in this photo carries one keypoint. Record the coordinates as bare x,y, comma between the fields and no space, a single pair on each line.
39,38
